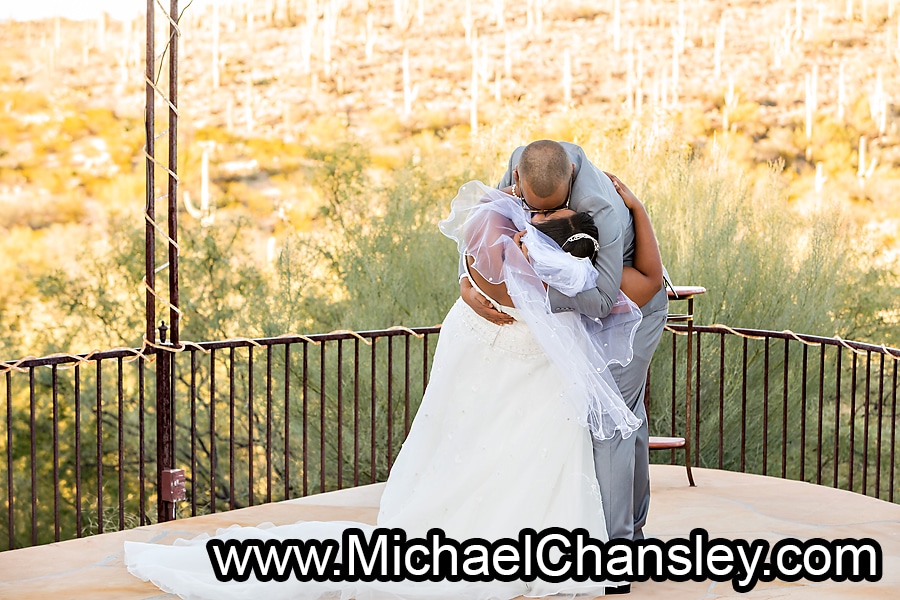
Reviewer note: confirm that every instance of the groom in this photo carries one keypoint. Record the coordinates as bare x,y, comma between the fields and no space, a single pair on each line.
549,175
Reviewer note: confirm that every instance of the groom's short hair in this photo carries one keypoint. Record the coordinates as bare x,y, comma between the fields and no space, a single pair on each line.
545,165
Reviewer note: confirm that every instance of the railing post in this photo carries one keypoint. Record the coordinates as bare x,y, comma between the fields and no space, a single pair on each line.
165,504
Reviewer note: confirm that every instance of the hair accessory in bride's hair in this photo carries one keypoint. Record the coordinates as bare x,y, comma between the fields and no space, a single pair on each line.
582,236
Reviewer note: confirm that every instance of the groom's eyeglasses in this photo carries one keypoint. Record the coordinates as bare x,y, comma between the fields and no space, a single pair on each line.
546,211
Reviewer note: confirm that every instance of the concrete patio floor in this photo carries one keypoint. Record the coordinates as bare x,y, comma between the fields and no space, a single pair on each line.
728,505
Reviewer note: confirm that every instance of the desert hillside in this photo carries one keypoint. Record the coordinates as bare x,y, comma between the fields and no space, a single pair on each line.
267,86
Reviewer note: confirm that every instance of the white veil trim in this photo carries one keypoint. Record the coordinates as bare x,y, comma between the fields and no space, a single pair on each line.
483,221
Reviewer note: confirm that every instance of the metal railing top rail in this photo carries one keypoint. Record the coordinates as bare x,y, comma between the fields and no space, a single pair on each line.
148,351
811,340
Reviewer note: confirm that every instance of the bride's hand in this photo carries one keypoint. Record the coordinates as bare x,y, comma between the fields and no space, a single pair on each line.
627,195
518,240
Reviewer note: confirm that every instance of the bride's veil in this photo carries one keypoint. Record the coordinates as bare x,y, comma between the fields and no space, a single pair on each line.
483,221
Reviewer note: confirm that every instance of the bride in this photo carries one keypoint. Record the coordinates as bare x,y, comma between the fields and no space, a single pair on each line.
501,441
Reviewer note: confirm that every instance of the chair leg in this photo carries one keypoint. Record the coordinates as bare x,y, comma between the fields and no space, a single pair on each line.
687,449
687,459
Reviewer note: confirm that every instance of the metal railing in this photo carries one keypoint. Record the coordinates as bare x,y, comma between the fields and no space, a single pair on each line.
269,419
252,421
816,409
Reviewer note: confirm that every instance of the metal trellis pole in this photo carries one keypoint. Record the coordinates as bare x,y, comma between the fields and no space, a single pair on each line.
170,482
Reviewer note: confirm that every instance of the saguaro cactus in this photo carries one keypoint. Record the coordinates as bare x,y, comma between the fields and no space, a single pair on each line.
809,116
811,100
629,76
878,104
507,55
499,9
529,16
473,110
371,35
100,37
842,92
675,72
306,48
215,45
679,29
409,91
730,103
864,169
248,106
125,55
467,22
719,49
617,25
639,76
206,213
820,178
327,33
401,12
312,11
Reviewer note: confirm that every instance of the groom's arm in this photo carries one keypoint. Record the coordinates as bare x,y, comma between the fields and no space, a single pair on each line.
597,302
507,179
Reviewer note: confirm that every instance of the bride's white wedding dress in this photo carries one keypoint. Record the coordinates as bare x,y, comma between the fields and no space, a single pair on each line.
495,447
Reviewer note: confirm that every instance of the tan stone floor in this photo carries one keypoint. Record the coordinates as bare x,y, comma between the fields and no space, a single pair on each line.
730,505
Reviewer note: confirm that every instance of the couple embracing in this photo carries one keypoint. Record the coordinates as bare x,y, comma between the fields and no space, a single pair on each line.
533,417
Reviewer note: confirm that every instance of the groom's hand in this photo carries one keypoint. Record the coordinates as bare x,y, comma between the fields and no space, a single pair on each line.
482,305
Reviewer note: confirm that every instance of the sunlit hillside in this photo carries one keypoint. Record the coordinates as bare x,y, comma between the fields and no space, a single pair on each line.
267,87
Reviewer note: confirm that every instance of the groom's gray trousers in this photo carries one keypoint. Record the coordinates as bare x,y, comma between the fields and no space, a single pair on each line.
623,465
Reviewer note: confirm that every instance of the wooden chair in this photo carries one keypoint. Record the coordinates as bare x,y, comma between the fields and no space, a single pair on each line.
678,293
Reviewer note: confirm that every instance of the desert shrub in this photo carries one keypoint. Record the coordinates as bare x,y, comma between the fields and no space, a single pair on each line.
767,265
370,256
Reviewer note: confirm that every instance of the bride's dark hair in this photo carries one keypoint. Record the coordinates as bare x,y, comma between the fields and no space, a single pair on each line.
561,229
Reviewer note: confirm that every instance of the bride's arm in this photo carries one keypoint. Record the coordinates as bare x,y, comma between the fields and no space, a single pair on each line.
642,281
484,235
